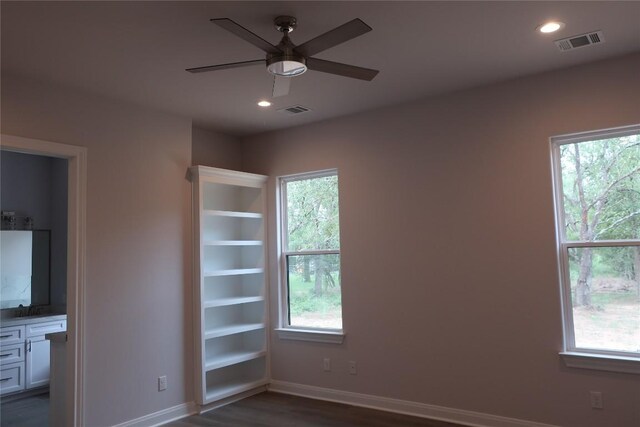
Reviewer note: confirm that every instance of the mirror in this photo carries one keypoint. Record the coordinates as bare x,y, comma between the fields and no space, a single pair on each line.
24,268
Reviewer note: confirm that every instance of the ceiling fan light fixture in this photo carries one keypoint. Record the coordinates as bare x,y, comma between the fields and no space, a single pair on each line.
287,65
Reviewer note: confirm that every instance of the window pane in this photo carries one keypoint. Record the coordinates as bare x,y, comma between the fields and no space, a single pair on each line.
312,214
605,296
601,188
314,291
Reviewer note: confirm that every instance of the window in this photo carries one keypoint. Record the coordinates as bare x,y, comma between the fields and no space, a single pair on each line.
597,182
310,245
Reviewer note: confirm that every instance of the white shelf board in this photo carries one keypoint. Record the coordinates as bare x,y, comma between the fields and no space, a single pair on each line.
233,272
231,388
232,242
220,302
232,214
230,330
232,359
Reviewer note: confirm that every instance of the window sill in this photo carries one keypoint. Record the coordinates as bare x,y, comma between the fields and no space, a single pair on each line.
628,365
330,337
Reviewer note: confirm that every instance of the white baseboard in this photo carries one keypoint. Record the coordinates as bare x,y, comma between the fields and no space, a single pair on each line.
469,418
184,410
163,416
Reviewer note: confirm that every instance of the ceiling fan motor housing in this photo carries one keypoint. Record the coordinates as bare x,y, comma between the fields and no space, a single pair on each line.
285,24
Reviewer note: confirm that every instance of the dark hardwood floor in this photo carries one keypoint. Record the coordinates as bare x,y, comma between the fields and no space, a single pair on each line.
32,411
281,410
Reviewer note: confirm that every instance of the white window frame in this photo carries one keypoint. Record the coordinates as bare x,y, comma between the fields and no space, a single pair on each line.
577,357
285,330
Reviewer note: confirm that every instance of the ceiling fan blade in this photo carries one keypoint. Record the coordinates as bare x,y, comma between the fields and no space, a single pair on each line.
341,69
341,34
281,86
246,35
225,66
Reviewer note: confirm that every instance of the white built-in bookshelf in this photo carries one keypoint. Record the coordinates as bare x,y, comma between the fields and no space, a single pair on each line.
230,306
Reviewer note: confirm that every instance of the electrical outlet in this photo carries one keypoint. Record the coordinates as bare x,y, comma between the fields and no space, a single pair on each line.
596,400
353,370
162,383
326,364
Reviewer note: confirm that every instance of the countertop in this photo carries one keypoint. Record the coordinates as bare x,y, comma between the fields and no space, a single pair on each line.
58,337
27,320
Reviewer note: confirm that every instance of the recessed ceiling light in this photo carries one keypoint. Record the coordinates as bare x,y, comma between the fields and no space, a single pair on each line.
550,27
264,104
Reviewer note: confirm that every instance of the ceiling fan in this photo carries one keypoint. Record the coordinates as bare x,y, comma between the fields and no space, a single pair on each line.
286,60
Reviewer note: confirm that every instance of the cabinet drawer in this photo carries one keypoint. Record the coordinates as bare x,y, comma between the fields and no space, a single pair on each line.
11,353
11,335
12,378
36,329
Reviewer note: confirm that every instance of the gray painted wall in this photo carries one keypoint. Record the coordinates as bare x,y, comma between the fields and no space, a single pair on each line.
137,321
26,186
449,273
59,184
211,148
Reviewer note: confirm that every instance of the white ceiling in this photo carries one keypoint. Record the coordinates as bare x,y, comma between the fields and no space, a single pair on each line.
137,51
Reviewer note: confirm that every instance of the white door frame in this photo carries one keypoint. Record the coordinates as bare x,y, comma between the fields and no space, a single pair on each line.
76,243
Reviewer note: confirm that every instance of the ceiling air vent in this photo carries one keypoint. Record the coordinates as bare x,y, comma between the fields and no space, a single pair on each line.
582,40
296,109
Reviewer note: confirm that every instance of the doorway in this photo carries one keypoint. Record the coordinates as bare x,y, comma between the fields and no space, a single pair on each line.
72,414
